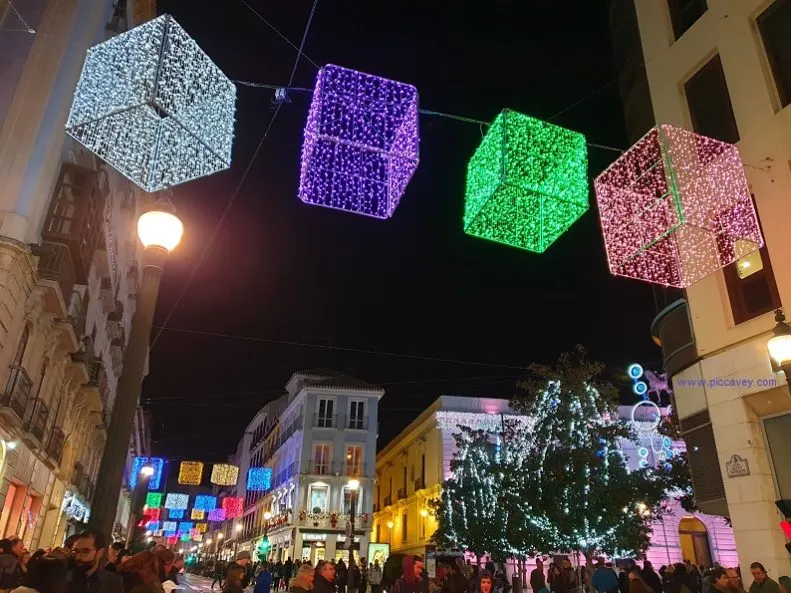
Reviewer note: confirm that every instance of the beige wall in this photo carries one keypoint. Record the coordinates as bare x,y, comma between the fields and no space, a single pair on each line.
730,350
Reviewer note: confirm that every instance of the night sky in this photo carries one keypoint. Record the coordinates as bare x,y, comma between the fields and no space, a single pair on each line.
295,280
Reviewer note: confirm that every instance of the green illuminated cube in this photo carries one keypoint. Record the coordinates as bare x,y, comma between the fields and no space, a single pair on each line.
527,183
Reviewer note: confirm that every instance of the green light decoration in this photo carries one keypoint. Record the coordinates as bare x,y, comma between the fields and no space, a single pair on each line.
154,500
527,182
263,547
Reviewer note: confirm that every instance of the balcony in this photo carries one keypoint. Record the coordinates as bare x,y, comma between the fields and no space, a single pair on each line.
55,445
36,422
332,520
354,470
319,468
78,308
55,269
325,421
106,295
357,423
401,495
14,402
672,331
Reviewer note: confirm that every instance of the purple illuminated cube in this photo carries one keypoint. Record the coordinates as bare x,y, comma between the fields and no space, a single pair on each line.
676,208
361,142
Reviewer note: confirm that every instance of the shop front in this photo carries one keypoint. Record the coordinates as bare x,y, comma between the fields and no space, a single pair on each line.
75,514
315,546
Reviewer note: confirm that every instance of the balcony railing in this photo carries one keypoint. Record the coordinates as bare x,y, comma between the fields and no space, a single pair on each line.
331,520
325,421
77,312
354,470
17,392
401,493
357,423
55,446
320,468
672,330
419,484
36,422
55,263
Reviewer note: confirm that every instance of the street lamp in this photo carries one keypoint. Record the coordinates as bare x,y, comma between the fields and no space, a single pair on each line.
238,529
160,232
138,497
779,344
354,486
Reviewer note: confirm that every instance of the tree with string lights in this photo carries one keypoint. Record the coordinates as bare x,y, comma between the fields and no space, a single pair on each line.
576,478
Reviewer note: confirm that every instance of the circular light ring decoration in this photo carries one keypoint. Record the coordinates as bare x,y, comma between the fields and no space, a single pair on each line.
645,416
639,388
635,371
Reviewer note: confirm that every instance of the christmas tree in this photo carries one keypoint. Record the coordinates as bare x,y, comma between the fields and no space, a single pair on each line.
576,477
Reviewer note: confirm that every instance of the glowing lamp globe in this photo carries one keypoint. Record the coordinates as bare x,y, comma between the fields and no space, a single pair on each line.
675,208
157,228
780,343
353,484
267,515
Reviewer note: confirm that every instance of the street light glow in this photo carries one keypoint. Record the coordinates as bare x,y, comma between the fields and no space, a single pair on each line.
11,445
157,228
353,484
424,513
780,343
220,535
267,515
390,524
147,471
238,527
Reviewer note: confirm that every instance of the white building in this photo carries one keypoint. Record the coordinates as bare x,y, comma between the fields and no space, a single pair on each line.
721,68
315,438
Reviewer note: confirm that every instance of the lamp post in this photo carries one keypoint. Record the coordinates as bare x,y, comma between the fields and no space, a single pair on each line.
354,486
160,232
219,541
779,344
141,487
237,534
263,547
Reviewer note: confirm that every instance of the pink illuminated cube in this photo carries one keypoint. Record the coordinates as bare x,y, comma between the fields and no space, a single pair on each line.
233,506
675,208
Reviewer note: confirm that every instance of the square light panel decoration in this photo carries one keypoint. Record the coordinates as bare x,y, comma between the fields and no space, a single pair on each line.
675,208
233,506
190,473
527,182
154,500
153,105
138,463
202,527
175,513
197,514
259,479
224,474
169,526
361,143
217,514
205,502
177,502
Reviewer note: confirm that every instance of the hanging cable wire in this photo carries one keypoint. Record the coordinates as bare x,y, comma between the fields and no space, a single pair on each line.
25,27
277,31
339,348
236,192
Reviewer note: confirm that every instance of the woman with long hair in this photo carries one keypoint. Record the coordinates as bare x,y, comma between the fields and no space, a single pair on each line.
141,573
303,581
46,575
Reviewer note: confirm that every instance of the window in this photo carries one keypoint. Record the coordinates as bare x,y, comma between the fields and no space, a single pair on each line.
324,418
20,349
684,14
773,24
318,498
357,415
322,459
752,290
354,460
403,528
710,104
777,431
378,532
423,470
347,501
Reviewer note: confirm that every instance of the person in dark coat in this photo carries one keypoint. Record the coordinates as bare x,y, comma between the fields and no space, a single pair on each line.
325,578
651,578
455,583
114,556
87,573
243,561
412,580
10,571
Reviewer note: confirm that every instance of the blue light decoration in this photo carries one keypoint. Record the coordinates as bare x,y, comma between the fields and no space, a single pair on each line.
361,143
635,372
174,501
169,527
153,525
639,388
204,502
185,537
259,479
186,526
175,513
155,481
154,106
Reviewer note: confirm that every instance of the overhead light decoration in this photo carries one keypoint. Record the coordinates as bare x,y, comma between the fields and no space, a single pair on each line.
202,527
259,479
675,208
224,474
154,106
233,506
217,515
185,537
176,514
154,500
361,144
186,526
155,481
527,182
190,473
169,526
197,514
205,502
153,526
175,501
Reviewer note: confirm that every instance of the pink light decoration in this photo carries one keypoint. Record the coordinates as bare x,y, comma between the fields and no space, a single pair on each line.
233,507
676,208
217,515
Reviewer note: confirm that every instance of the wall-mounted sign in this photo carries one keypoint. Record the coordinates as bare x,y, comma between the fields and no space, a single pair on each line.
737,467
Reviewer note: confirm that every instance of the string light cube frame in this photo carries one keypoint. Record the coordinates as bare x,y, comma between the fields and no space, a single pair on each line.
186,526
153,525
224,474
233,506
217,515
197,514
675,208
190,473
527,182
361,144
205,502
175,513
153,105
202,527
169,526
177,502
154,500
259,479
138,463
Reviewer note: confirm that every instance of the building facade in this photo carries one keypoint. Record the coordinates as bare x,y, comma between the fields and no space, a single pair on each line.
721,69
410,471
317,438
68,270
